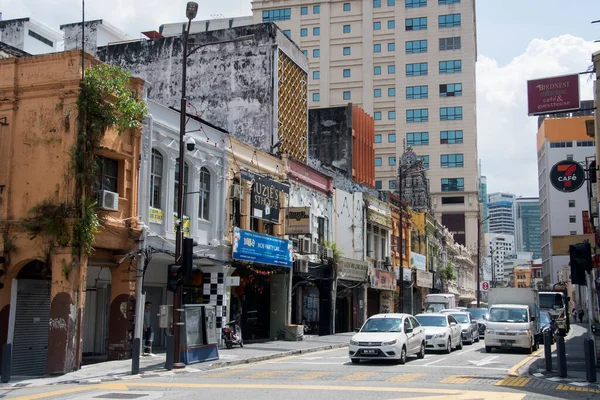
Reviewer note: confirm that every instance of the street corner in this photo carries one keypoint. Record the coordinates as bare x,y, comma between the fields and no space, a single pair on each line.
567,383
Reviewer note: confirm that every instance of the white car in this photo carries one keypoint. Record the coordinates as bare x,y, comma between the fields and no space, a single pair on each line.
388,336
442,331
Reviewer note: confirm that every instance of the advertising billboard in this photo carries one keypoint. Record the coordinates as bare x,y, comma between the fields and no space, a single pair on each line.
548,95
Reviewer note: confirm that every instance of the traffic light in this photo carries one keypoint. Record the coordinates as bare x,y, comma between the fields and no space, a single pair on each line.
187,256
174,277
580,255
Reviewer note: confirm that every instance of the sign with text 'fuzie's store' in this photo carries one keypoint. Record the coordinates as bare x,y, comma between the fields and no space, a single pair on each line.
266,196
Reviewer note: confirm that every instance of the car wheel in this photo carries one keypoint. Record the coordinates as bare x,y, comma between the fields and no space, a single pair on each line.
449,346
530,349
402,359
459,346
488,349
355,360
421,353
476,337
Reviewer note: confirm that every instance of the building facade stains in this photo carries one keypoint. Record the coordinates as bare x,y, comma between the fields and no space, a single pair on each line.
12,32
232,85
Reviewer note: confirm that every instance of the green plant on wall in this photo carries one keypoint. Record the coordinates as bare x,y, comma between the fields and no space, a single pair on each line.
447,272
104,101
337,253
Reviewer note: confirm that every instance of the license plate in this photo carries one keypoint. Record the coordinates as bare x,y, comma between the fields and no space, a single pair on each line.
369,351
505,343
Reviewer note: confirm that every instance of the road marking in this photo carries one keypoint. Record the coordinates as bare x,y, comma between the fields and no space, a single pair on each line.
276,360
311,363
472,349
436,361
358,376
311,375
405,378
222,374
466,367
515,368
514,381
264,375
485,361
458,379
578,389
461,394
57,393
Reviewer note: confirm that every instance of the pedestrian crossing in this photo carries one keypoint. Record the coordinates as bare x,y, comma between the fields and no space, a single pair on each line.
363,376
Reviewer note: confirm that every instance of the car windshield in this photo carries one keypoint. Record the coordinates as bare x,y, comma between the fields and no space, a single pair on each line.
383,325
551,300
478,312
435,307
461,318
544,318
431,320
502,314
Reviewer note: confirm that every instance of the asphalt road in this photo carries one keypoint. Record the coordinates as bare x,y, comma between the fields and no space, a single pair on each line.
470,373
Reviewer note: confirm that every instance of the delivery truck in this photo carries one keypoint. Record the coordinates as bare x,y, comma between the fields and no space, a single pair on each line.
514,319
440,301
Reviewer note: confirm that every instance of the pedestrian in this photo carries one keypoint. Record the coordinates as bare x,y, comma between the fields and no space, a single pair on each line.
580,314
147,329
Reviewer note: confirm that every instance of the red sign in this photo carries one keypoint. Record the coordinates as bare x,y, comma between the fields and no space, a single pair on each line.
485,285
559,93
587,224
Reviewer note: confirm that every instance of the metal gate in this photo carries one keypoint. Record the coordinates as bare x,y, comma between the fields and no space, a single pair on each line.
32,318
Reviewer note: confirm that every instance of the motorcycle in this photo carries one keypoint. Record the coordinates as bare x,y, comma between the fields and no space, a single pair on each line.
231,334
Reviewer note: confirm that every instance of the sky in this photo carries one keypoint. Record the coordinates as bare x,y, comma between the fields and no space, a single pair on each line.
517,40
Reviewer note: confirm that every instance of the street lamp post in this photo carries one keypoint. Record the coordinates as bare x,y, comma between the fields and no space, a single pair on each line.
479,260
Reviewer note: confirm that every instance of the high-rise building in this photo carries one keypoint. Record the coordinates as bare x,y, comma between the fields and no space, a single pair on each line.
527,226
501,210
562,213
411,65
483,201
499,247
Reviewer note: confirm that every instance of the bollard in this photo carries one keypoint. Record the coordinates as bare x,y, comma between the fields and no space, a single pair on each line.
548,349
562,357
170,352
6,359
590,363
135,356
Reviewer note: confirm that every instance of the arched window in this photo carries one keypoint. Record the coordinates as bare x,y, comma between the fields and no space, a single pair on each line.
156,179
185,187
204,209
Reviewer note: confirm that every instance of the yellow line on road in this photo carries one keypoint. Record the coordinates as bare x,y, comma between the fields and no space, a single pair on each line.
264,375
311,375
405,378
515,368
222,374
515,381
358,376
47,394
457,379
576,388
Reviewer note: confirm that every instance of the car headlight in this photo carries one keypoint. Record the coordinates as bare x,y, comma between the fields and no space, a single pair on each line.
439,335
526,332
389,343
353,342
489,331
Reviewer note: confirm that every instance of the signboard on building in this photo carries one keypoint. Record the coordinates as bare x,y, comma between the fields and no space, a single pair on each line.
383,280
266,196
352,270
406,275
418,261
259,248
560,244
297,221
567,176
424,279
156,215
437,282
587,224
548,95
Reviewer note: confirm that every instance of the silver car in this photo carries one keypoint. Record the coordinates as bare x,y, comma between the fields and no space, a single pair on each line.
468,324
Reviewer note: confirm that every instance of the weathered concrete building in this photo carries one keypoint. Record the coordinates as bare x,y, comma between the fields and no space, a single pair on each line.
252,83
97,33
30,36
44,288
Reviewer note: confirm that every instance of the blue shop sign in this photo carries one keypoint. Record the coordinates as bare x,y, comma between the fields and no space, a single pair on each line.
259,248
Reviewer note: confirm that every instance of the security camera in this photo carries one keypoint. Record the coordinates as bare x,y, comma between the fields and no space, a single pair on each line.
190,144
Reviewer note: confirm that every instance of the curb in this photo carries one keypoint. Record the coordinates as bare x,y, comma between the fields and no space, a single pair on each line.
188,370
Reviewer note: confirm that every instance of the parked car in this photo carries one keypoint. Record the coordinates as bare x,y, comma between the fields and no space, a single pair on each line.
442,331
547,324
482,316
388,336
468,325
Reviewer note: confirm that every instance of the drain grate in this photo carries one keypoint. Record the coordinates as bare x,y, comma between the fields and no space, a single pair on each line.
120,396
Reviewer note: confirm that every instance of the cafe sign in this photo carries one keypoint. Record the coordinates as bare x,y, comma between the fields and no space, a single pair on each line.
266,196
352,270
297,221
383,280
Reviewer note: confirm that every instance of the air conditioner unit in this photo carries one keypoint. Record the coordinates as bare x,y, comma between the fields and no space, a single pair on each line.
379,264
237,191
329,252
295,244
305,245
301,265
108,200
388,260
316,249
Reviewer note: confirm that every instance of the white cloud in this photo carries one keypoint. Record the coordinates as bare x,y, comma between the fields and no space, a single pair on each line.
506,135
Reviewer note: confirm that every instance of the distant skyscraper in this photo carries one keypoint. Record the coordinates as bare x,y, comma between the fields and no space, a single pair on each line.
527,226
501,207
483,200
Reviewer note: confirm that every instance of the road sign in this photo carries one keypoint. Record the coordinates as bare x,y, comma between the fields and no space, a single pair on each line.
485,286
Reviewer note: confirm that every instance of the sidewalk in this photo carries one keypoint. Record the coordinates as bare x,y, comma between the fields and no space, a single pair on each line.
153,366
576,375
